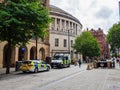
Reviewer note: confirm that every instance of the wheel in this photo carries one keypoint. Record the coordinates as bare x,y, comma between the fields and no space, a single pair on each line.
69,65
24,71
61,66
36,70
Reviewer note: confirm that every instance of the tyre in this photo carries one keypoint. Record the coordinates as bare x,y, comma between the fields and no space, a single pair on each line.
24,71
61,66
69,65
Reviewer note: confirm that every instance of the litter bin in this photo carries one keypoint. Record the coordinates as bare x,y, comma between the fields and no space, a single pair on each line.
18,64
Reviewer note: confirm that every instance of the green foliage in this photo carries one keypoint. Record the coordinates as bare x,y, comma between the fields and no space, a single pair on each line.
22,19
113,37
87,45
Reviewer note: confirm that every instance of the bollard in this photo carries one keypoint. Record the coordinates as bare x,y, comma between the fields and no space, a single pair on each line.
108,64
89,67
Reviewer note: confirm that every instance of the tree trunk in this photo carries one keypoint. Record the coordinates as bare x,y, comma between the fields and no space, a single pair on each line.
8,62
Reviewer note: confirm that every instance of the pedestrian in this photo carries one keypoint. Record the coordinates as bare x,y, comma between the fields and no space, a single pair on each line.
119,62
113,60
79,62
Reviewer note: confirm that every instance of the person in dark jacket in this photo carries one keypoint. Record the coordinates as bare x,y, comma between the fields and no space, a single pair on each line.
119,62
79,62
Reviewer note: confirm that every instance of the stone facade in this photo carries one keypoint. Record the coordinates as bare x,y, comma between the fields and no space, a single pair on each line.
65,28
26,53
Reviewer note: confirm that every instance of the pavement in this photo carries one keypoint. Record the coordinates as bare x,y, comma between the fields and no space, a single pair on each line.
106,79
5,76
12,70
3,71
92,79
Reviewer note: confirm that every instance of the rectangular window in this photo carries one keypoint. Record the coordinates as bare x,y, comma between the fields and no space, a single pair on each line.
56,42
65,43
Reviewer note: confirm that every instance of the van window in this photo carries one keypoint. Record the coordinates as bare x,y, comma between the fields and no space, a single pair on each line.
66,58
43,62
58,57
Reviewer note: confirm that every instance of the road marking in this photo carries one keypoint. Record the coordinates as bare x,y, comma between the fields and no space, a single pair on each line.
61,79
105,80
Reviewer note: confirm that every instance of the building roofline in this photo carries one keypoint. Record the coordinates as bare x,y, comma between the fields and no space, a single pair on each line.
57,11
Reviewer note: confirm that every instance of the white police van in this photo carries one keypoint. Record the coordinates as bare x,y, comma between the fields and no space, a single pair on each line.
61,60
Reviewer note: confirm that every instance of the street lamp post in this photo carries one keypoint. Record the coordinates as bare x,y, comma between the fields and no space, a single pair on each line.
36,47
68,41
23,52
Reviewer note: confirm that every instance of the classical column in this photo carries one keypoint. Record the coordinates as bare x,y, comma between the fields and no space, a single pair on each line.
28,56
67,27
16,53
72,28
60,26
51,26
64,25
68,24
76,29
1,57
55,24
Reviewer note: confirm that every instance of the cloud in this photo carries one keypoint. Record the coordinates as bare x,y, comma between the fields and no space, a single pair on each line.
93,3
103,13
91,13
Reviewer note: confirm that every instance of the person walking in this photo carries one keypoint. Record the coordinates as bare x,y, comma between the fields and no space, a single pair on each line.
119,62
79,62
113,60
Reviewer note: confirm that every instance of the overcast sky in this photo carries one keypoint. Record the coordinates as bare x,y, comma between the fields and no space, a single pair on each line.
91,13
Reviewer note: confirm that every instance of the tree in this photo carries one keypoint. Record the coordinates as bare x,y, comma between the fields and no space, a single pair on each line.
113,37
19,21
87,45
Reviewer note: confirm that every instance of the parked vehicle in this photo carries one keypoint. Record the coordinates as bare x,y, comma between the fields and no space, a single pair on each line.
17,66
104,63
61,60
34,66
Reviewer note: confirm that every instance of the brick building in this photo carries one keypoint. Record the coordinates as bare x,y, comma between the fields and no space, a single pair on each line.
101,38
1,1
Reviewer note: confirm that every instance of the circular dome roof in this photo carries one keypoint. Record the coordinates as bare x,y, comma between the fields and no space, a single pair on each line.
59,12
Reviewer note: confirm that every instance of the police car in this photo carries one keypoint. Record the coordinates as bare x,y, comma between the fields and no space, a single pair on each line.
34,66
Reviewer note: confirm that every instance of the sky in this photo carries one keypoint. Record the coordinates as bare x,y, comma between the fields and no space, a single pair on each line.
91,13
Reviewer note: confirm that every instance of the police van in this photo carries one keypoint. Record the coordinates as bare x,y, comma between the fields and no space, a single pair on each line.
34,66
61,60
